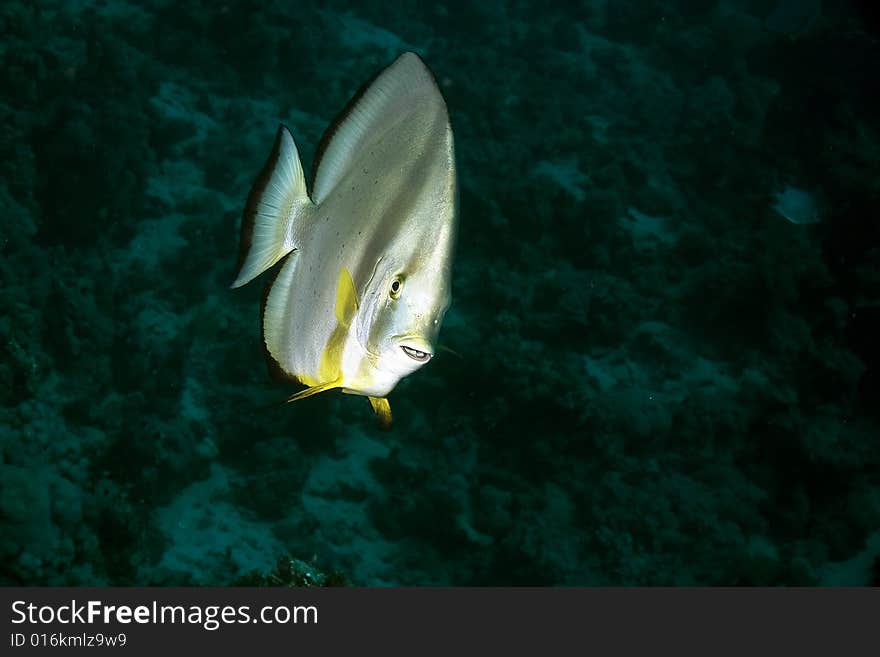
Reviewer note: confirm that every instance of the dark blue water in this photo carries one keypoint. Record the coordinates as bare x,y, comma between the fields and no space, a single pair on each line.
666,298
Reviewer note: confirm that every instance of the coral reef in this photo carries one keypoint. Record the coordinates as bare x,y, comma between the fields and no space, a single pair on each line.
657,379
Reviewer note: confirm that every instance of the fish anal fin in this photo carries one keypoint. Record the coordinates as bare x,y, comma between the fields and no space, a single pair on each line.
276,371
383,411
273,318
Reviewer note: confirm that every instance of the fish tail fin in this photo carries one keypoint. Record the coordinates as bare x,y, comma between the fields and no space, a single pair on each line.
277,200
314,390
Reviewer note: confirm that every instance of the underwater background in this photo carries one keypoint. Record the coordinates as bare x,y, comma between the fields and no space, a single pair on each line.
666,298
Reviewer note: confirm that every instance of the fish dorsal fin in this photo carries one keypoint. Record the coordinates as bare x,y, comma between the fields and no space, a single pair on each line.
383,411
374,107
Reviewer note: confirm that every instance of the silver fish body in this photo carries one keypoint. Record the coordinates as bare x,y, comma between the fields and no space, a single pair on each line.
366,279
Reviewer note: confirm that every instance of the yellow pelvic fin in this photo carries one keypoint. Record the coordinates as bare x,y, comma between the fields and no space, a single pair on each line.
314,390
383,410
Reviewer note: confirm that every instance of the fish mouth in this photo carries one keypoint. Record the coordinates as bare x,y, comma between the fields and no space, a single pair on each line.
416,354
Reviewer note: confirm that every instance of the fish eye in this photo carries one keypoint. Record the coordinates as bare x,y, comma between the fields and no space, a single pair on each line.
396,286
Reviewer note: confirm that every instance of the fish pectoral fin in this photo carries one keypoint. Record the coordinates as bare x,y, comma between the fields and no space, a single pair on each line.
314,390
383,410
346,298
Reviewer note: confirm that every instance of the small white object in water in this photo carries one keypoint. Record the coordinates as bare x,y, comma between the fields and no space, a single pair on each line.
797,205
